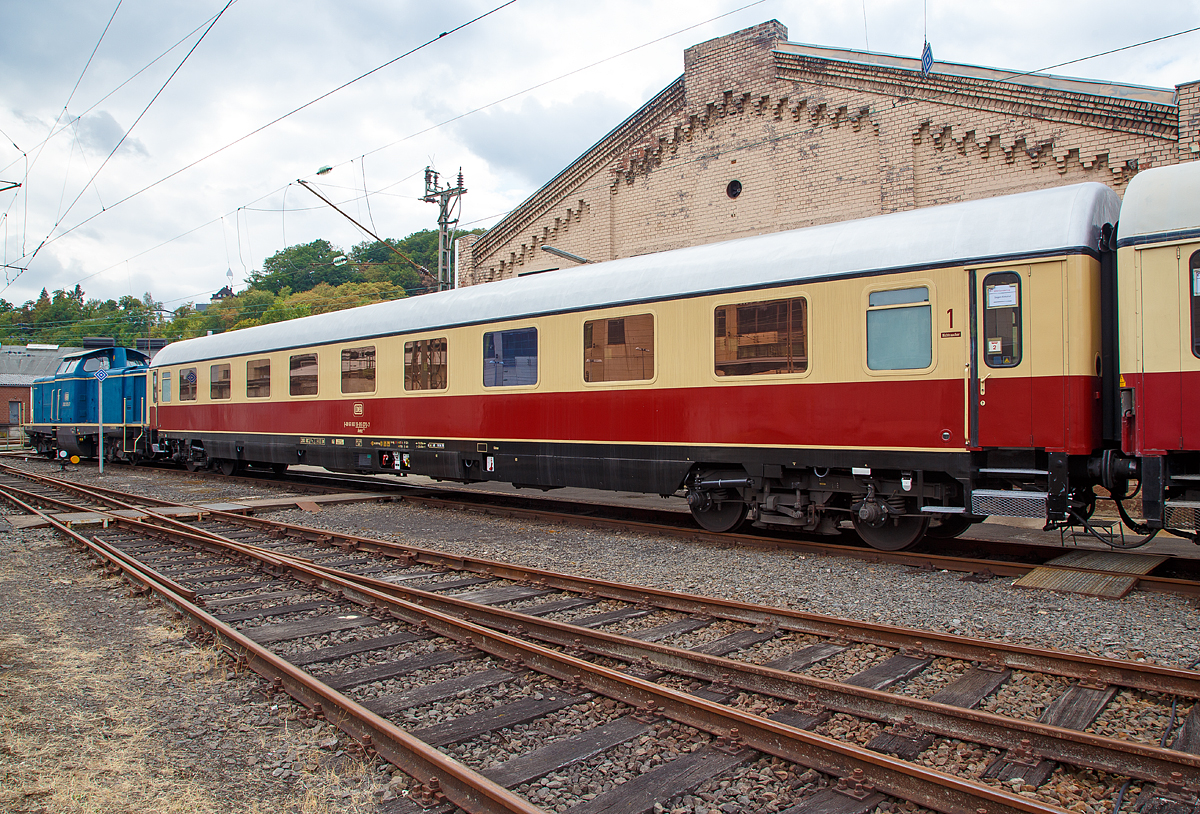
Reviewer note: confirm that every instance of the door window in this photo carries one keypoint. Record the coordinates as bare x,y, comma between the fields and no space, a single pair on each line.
1194,300
1002,319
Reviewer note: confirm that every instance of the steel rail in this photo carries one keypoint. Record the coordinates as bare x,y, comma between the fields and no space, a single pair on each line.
103,550
1065,745
1094,669
900,778
1136,675
1128,758
933,789
436,771
929,561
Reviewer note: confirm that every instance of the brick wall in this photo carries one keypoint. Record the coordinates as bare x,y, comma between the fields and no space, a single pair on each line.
812,139
8,394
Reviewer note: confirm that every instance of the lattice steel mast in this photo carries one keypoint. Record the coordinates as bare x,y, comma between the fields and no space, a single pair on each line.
449,206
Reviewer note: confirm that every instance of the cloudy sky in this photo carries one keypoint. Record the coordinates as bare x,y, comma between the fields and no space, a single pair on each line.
193,191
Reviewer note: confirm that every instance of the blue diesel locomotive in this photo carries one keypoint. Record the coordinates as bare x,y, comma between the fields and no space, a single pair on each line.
66,411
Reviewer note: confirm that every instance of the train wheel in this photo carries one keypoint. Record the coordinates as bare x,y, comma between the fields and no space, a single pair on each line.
227,466
721,517
951,525
192,466
894,534
279,469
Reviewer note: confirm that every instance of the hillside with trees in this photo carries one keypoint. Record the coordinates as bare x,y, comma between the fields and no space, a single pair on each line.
309,278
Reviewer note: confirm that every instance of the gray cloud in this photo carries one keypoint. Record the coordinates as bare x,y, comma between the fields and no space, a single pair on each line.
536,141
100,133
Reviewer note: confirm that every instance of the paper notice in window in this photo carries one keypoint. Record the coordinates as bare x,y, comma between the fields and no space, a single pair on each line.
995,346
1002,296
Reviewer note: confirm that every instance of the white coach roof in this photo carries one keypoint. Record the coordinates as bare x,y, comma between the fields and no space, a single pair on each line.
1161,201
1054,220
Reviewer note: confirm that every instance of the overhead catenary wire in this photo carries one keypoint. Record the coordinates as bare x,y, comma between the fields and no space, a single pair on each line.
121,141
708,156
41,146
412,135
132,77
257,130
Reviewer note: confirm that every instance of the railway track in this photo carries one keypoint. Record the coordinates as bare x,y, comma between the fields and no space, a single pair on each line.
1080,572
400,630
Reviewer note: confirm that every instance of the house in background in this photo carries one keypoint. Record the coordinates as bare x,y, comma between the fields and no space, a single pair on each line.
19,366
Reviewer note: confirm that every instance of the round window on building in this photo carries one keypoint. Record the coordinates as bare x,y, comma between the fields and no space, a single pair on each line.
734,189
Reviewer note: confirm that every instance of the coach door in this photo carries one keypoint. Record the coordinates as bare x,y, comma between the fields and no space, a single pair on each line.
1001,375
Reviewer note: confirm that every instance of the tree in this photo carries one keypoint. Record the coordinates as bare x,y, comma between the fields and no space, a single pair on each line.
302,267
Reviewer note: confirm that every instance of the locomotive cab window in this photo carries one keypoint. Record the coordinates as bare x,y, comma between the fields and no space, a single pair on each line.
187,384
303,374
1002,319
425,364
258,379
1194,300
166,386
95,363
618,350
899,329
510,358
219,383
761,338
358,370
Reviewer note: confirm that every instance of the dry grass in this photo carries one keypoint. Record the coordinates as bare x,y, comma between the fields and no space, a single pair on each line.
83,719
78,739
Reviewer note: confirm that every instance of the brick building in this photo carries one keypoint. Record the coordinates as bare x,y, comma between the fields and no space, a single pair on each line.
19,366
761,135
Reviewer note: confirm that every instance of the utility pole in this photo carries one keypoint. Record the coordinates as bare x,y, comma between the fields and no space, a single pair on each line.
448,210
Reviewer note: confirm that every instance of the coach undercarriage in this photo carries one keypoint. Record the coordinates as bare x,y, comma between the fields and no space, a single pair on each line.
892,503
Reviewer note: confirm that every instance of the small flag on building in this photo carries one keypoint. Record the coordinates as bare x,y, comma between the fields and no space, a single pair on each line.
927,59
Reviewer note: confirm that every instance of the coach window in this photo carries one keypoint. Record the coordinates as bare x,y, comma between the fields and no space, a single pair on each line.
425,364
510,358
166,386
618,350
899,329
218,378
1002,319
761,338
258,378
187,384
358,370
303,375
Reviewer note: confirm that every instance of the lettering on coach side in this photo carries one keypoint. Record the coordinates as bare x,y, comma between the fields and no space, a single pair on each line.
318,442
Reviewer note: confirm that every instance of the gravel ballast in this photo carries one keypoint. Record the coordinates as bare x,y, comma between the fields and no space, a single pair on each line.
1142,626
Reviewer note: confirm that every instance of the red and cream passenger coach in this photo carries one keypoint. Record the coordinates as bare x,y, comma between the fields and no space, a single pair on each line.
911,373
